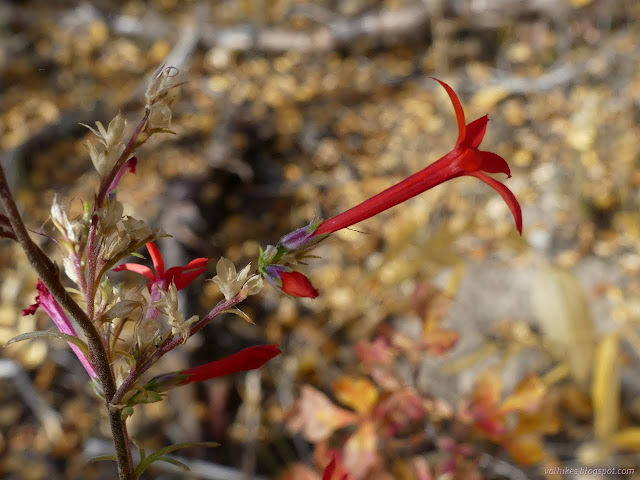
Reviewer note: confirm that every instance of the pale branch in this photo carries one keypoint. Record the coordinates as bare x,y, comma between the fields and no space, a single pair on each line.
335,31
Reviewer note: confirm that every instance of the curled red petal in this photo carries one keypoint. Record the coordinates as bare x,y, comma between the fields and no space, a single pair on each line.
297,285
131,164
31,309
247,359
475,132
196,263
457,106
183,279
493,163
156,258
136,268
506,194
328,471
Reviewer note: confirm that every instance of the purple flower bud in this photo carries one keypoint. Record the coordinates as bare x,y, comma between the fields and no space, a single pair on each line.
299,238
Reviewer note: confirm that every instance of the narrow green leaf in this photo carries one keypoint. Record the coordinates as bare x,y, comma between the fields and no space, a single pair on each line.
74,291
175,462
48,334
139,255
143,452
180,446
131,360
103,458
159,455
240,313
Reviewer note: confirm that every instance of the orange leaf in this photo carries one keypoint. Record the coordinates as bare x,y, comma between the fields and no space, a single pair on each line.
526,449
360,451
439,341
487,389
357,393
526,397
316,417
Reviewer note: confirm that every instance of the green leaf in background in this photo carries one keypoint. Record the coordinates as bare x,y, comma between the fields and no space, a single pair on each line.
159,456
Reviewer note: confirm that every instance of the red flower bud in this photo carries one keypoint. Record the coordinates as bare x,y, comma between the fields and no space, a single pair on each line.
291,283
297,285
248,359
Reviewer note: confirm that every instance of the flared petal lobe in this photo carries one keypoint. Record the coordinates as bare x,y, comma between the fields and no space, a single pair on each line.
156,258
457,106
182,276
506,194
493,163
475,132
136,268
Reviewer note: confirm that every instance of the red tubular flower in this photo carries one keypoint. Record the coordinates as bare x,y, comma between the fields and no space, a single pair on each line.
181,276
464,159
247,359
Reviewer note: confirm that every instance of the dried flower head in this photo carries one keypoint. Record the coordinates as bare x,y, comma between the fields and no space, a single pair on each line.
168,305
228,280
111,138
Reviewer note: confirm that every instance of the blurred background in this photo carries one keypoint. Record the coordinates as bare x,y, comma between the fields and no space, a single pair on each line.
443,344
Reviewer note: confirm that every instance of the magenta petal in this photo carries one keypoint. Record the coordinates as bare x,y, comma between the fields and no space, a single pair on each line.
506,194
493,163
31,309
128,165
54,310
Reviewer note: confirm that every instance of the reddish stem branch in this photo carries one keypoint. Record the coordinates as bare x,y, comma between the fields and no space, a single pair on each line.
169,345
128,150
48,273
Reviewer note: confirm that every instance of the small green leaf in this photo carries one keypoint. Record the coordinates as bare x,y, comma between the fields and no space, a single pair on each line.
139,255
240,313
126,413
143,452
103,458
51,333
131,360
180,446
144,396
159,455
75,291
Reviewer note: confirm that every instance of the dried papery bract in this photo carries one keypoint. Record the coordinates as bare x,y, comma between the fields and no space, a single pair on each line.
92,244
